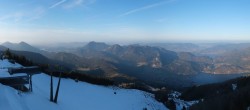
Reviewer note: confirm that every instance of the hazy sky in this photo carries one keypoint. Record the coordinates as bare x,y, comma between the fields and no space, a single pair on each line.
46,21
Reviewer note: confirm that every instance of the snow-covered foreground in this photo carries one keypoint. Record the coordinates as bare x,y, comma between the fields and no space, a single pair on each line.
73,96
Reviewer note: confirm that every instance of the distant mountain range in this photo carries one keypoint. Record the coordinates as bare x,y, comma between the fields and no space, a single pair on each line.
177,47
155,66
22,46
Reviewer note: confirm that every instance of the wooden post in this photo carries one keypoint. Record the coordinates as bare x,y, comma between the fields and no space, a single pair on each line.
57,89
51,88
30,81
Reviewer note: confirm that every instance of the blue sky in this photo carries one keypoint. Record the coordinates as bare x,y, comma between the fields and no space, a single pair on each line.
48,21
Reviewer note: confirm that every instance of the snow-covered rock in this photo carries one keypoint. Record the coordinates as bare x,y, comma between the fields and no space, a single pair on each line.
179,103
234,87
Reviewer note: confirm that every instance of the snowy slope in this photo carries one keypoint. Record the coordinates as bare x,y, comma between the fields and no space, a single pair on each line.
73,96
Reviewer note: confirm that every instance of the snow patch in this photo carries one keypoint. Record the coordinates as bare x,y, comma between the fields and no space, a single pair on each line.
179,103
234,87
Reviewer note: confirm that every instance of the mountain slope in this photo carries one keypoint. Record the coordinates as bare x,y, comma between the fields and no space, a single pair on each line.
143,55
91,49
40,59
2,48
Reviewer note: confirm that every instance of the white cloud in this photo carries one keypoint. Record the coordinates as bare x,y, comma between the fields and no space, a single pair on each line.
15,16
57,3
20,16
37,12
75,3
144,8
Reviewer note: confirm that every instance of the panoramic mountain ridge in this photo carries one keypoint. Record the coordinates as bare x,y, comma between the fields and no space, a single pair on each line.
151,65
137,62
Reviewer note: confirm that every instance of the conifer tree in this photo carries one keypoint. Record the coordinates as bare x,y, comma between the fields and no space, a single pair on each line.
8,54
